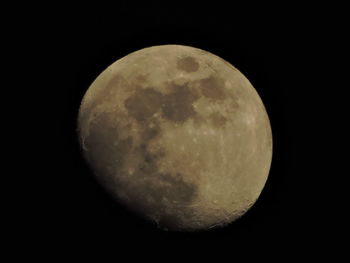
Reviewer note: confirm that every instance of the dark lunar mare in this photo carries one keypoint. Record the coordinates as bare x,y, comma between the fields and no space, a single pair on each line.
213,87
188,64
177,106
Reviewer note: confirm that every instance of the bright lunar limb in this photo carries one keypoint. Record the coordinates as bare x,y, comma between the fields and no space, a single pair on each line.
178,135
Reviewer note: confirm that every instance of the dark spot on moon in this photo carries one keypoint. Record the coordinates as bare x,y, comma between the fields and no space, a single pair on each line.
150,133
218,120
143,146
149,163
148,166
188,64
177,106
143,104
213,87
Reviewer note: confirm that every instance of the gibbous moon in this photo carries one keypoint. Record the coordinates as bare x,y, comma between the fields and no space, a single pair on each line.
177,135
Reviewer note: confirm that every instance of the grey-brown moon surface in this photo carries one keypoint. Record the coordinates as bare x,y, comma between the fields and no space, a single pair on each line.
178,135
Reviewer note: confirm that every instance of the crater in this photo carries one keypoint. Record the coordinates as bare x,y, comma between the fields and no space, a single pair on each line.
178,105
188,64
213,87
218,120
143,103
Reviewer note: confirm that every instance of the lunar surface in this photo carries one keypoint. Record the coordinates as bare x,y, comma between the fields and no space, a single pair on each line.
177,135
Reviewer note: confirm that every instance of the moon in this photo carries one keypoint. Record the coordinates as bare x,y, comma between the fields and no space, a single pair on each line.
178,135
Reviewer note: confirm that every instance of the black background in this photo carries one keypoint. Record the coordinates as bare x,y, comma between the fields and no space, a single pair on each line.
273,49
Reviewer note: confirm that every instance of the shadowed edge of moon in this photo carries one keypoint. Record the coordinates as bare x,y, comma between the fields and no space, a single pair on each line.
159,197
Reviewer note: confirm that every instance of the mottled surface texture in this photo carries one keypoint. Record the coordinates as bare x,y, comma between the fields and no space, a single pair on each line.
178,135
